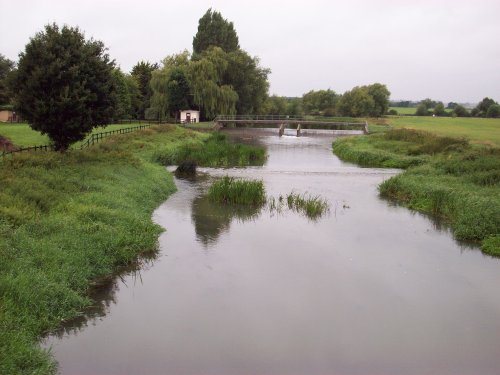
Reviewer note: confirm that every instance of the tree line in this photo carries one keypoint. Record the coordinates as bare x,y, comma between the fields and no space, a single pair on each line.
64,85
428,107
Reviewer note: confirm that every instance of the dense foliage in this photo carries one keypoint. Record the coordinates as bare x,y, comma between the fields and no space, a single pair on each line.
215,31
65,85
220,78
142,73
6,67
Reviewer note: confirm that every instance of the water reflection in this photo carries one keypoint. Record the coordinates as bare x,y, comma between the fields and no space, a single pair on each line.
104,294
212,219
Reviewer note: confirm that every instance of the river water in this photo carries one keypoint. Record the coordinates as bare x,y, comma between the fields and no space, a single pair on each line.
370,288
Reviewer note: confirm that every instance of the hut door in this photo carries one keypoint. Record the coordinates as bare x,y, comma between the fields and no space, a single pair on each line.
188,117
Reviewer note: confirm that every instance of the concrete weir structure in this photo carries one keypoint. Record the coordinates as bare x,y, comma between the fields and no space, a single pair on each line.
281,122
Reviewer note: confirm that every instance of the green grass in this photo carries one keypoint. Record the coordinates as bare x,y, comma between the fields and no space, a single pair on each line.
69,221
212,150
445,177
409,110
312,206
229,190
404,110
483,131
22,135
201,125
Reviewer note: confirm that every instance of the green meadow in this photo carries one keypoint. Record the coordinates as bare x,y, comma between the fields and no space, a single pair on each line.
477,130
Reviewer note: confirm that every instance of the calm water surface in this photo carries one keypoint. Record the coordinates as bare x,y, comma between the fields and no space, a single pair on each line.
371,288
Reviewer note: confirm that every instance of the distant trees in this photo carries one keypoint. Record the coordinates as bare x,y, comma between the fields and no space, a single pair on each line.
215,31
319,102
6,67
372,100
65,85
493,111
439,110
275,105
142,72
483,108
460,111
123,107
422,110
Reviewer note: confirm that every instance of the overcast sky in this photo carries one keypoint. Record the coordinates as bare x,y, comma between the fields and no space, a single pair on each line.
446,50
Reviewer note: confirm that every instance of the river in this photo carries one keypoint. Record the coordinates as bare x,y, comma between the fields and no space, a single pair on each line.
370,288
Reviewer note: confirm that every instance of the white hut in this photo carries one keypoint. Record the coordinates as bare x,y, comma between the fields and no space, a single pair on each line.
190,115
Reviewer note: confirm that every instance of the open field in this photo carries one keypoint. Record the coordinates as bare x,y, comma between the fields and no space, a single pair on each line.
409,110
404,110
485,131
445,177
69,221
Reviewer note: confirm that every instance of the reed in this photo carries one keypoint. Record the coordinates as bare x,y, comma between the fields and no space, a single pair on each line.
229,190
313,207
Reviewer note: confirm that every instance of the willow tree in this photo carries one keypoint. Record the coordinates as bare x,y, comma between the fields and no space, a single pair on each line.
206,80
170,87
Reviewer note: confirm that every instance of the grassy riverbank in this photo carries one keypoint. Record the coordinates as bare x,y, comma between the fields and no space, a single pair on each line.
69,221
446,177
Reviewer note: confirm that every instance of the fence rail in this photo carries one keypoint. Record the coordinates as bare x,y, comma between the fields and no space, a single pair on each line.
91,140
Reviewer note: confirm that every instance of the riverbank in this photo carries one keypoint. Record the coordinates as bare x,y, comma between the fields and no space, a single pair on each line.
445,177
70,221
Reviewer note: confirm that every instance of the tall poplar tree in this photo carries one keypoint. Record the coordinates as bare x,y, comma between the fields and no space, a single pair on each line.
215,31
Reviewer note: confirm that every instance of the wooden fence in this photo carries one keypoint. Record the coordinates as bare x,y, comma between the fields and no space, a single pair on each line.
91,140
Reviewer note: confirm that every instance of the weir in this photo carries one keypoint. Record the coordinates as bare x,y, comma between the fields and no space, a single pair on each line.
281,122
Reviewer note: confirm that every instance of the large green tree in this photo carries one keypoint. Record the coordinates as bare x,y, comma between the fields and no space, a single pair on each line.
482,108
123,106
6,67
215,31
206,78
355,103
320,101
142,72
248,79
380,95
170,86
65,85
275,105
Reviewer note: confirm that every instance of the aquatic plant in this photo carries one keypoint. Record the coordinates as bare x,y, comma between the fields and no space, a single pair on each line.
312,206
229,190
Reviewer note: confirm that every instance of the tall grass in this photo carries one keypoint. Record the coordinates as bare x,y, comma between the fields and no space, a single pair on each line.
229,190
453,181
212,151
312,206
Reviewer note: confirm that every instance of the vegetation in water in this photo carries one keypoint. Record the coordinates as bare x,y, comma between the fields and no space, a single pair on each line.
68,222
229,190
445,176
212,151
313,207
